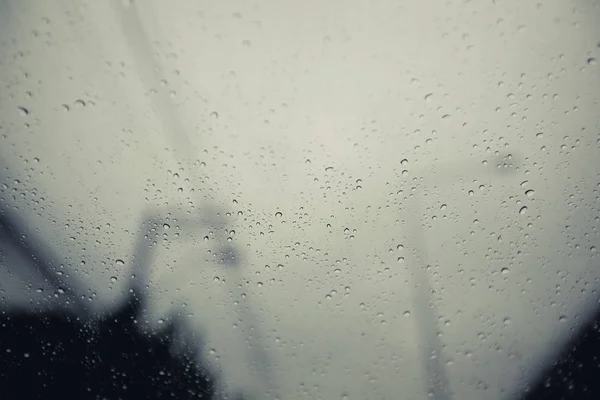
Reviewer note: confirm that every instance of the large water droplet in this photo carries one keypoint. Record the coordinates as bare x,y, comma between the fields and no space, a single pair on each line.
523,210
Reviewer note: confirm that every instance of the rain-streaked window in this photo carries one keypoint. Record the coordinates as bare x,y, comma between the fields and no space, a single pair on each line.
298,199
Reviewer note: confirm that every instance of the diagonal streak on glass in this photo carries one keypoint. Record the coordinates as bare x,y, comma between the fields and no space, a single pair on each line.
151,71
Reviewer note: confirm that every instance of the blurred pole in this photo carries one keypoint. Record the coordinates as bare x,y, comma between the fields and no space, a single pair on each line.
438,386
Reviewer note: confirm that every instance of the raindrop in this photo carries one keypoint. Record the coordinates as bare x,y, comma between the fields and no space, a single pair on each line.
119,262
592,61
80,103
404,162
161,321
428,96
529,193
113,279
214,115
523,210
166,226
328,169
562,318
23,111
407,313
278,214
504,271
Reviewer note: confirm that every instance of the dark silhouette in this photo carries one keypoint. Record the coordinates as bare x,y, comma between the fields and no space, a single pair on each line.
53,355
70,355
576,372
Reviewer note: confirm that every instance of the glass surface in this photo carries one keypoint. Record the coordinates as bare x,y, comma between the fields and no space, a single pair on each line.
326,199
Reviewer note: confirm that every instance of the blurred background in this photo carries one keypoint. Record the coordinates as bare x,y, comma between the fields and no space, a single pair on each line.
346,200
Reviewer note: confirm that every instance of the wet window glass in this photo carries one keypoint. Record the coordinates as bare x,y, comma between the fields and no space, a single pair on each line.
299,199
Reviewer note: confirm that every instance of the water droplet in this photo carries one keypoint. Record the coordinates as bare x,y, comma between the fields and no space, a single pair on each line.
562,318
504,271
119,262
404,162
80,103
113,279
166,226
507,321
407,313
161,321
259,284
278,214
524,183
523,210
66,107
529,192
592,61
214,115
328,169
23,111
428,96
